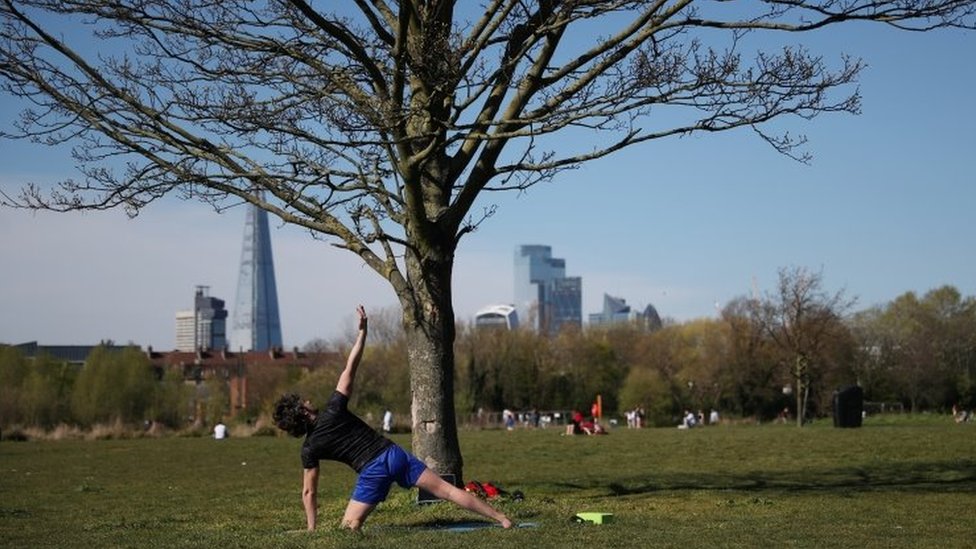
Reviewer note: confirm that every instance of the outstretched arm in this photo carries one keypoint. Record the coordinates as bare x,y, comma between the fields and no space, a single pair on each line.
348,375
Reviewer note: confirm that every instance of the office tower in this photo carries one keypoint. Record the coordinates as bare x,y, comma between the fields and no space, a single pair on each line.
203,328
256,325
534,267
497,316
185,331
650,317
565,303
616,310
546,298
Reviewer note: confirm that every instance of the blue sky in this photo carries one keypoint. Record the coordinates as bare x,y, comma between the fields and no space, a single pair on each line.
686,224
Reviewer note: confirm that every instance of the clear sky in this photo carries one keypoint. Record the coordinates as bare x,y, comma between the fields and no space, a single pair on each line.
888,205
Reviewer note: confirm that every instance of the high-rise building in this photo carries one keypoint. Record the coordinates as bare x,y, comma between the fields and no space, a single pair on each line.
616,310
546,298
203,328
185,331
256,325
565,303
651,319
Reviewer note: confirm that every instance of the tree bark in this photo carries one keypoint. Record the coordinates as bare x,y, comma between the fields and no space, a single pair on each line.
430,333
801,387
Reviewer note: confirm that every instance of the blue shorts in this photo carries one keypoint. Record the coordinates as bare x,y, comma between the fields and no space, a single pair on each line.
394,464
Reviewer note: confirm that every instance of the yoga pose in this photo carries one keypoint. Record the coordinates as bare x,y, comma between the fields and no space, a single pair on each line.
337,434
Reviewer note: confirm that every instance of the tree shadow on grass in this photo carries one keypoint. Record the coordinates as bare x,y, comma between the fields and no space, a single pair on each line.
955,476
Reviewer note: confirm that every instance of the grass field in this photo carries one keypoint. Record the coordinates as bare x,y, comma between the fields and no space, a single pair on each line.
892,483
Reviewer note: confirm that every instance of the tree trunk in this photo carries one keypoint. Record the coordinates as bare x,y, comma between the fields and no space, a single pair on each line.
801,387
430,332
799,402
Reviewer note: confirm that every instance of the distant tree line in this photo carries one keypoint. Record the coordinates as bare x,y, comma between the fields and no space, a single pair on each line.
112,386
790,348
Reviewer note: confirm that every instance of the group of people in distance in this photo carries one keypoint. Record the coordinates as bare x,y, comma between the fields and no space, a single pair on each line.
635,417
579,425
690,419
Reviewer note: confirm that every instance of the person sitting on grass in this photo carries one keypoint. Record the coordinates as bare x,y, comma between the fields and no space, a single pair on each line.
575,425
337,434
593,427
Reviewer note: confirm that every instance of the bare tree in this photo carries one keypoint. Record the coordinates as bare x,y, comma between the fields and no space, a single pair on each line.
377,124
802,319
750,363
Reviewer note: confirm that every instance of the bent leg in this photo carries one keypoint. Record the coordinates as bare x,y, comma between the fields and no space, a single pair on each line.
447,491
356,513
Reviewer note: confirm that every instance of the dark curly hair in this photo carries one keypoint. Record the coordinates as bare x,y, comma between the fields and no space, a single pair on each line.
290,416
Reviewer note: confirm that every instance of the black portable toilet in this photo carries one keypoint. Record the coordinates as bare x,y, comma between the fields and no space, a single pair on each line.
848,406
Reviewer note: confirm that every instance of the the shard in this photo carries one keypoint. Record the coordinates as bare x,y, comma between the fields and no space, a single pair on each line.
256,325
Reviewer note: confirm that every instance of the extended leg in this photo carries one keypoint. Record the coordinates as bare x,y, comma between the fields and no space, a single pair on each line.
447,491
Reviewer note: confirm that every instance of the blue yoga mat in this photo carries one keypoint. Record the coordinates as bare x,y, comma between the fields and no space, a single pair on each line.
470,526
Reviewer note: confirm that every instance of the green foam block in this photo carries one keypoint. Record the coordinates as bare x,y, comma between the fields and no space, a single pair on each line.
595,518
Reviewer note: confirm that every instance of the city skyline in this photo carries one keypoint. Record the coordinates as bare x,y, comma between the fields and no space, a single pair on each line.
685,224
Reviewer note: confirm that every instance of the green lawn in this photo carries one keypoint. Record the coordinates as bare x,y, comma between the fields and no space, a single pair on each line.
892,483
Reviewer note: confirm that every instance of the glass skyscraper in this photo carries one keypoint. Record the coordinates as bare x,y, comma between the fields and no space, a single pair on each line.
565,303
205,327
256,325
545,297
